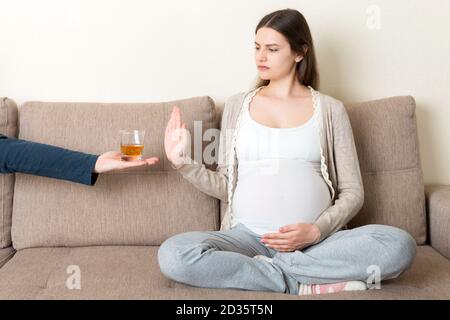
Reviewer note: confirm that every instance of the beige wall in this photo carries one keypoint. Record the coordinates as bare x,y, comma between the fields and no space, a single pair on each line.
103,50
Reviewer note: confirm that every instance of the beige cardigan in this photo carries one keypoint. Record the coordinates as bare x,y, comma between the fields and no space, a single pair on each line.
339,162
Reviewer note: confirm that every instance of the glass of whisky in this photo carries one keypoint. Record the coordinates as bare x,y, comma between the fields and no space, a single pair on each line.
132,144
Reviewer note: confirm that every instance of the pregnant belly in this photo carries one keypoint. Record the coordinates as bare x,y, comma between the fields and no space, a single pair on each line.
273,193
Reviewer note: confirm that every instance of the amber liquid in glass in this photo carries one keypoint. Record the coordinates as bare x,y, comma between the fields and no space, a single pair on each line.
132,152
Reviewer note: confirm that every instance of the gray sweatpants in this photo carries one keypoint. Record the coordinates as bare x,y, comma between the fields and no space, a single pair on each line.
223,259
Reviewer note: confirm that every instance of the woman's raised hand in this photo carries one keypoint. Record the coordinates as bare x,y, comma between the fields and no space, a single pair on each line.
176,138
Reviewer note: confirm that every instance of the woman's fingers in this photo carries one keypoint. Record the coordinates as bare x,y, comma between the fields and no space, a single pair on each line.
172,115
183,134
169,124
177,117
175,139
171,127
276,241
172,120
282,248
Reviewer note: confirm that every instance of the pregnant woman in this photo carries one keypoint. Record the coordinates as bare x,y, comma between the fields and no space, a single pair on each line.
290,178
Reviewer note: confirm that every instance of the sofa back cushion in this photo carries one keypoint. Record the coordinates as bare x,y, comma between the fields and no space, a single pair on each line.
386,139
141,206
8,127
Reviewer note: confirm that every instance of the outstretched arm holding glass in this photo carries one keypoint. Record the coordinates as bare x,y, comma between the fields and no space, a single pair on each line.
49,161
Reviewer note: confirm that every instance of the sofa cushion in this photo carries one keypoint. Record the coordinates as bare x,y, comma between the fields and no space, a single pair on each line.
135,207
438,211
8,127
118,272
386,139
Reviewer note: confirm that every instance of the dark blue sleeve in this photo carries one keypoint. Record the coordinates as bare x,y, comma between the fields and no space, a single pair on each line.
44,160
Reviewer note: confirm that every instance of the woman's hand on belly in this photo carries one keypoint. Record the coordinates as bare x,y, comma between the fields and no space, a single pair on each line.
292,237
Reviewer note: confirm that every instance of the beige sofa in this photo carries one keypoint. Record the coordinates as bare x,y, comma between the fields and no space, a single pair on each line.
111,232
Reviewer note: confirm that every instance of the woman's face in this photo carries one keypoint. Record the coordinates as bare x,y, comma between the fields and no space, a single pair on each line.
273,51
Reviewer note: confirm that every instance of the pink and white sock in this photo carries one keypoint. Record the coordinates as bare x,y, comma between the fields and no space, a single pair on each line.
308,289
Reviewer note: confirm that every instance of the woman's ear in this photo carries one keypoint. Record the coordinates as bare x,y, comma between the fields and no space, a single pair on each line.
301,56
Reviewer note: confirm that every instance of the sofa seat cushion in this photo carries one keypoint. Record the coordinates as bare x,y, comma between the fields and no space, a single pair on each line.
132,272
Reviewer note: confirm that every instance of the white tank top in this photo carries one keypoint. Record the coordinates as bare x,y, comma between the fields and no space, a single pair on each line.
279,181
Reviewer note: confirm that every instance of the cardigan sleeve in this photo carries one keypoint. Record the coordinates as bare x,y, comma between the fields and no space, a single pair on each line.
44,160
350,191
213,183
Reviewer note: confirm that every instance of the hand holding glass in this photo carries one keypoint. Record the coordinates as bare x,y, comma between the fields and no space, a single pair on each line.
132,144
